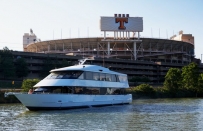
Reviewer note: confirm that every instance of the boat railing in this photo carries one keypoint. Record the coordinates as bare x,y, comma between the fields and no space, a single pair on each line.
6,94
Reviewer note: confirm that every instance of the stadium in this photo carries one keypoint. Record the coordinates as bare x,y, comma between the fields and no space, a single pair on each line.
124,52
147,49
177,49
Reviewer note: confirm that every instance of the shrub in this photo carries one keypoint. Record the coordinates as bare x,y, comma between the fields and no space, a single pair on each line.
28,84
145,88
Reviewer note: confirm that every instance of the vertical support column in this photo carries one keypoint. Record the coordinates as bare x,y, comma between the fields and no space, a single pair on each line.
104,34
63,46
114,35
138,35
128,34
108,49
71,46
55,47
135,50
97,49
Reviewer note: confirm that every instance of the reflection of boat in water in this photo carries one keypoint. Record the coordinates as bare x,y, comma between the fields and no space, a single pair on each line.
76,87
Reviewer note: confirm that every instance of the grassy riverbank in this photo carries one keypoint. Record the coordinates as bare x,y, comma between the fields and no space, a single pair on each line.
147,91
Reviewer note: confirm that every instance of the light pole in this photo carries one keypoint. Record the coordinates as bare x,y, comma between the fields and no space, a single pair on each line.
201,58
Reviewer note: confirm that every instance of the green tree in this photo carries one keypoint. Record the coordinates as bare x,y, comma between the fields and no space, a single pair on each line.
21,68
8,68
145,89
173,80
6,63
200,83
200,80
190,75
28,84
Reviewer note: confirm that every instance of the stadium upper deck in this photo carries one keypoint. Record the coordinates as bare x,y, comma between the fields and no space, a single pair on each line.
146,49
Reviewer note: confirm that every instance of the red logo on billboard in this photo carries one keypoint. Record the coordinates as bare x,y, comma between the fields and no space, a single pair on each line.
122,21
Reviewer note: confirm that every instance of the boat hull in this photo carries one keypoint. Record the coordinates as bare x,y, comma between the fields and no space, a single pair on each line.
70,101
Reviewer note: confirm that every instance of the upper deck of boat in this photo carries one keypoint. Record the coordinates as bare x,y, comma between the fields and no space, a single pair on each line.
92,68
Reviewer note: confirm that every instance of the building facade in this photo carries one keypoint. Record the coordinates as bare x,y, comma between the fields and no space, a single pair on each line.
154,71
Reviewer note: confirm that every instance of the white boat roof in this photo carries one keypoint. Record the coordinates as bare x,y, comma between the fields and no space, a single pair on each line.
92,68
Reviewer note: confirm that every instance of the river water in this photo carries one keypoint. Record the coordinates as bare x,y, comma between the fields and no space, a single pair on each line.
141,115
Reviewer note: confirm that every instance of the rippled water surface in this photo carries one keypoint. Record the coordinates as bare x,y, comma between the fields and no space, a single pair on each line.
141,115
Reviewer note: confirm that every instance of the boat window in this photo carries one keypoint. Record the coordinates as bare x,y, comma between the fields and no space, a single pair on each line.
92,91
108,77
57,90
122,78
52,76
113,77
81,76
42,89
117,79
110,91
88,75
102,77
65,75
78,90
96,76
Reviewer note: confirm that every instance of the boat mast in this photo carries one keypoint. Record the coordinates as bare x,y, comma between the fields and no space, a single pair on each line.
82,61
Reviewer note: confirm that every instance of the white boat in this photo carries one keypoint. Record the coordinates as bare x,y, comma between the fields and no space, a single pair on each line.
77,86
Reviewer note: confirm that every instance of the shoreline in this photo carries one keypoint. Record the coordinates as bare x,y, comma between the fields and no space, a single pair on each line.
9,99
12,99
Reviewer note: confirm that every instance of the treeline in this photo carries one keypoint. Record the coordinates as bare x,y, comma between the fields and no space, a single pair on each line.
185,82
10,67
17,68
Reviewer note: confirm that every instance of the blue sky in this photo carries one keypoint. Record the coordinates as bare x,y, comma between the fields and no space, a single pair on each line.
48,18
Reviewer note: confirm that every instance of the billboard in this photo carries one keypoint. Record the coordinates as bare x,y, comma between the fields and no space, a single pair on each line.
133,24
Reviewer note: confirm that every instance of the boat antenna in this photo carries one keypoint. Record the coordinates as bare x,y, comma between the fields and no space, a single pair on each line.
82,61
